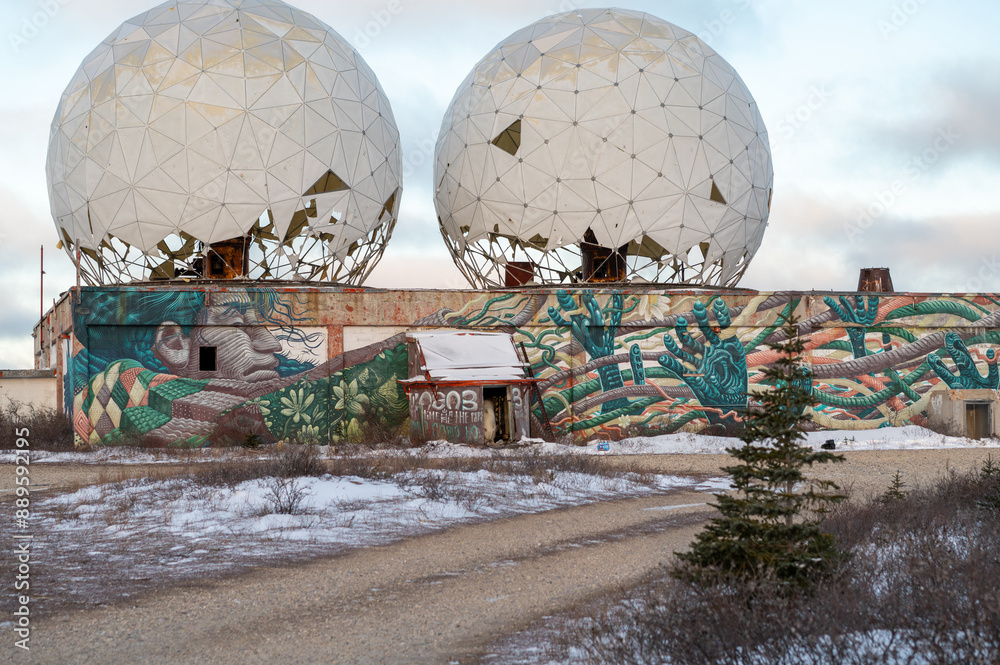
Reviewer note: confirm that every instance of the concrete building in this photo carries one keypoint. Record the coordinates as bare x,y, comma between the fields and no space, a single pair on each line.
211,362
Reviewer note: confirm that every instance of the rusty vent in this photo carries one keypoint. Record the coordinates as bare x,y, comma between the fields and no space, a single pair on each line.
875,279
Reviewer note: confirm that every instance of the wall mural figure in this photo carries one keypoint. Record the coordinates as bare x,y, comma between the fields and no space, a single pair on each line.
595,328
610,364
859,313
151,381
968,376
716,369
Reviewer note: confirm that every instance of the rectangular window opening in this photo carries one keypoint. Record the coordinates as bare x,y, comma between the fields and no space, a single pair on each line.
206,358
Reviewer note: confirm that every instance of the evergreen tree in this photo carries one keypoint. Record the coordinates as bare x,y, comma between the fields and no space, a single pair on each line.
770,526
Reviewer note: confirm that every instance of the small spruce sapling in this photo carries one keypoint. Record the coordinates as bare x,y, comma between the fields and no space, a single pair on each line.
770,523
895,491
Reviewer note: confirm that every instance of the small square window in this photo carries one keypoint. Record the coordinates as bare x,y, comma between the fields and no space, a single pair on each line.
206,358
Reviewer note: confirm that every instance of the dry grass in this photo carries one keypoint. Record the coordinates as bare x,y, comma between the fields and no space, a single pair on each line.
48,429
921,585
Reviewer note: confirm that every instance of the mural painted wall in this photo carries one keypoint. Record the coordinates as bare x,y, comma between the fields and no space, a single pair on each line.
611,364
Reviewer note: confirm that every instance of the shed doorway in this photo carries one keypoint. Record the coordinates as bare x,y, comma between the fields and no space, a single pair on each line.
977,420
497,409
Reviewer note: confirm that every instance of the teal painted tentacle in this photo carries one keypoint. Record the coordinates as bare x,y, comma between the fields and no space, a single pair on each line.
638,406
466,320
641,336
989,337
973,303
875,398
860,313
611,379
718,372
625,310
615,318
901,333
933,307
548,354
595,333
766,332
968,376
894,375
836,345
638,371
857,337
897,381
684,420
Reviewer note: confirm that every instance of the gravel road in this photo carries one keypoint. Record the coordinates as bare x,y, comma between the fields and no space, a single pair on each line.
440,598
433,599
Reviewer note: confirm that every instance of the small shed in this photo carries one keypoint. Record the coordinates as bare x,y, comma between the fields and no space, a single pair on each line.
466,387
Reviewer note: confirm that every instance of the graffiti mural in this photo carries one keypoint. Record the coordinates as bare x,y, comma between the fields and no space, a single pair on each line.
193,367
616,364
144,371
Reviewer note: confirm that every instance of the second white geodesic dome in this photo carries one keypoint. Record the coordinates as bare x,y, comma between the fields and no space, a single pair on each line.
203,123
605,130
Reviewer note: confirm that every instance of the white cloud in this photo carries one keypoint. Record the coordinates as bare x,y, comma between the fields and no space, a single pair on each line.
935,238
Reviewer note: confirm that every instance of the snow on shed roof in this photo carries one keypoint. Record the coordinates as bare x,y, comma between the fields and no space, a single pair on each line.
467,356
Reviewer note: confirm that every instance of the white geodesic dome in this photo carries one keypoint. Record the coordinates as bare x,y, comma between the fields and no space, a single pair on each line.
608,131
201,122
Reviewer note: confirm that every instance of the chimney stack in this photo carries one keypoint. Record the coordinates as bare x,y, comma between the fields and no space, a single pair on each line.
875,279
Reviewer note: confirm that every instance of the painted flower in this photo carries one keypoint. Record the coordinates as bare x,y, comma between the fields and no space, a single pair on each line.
261,404
308,434
353,432
653,308
347,431
349,399
296,405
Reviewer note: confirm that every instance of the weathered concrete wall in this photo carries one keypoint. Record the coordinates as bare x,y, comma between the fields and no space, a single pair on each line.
36,388
946,410
321,362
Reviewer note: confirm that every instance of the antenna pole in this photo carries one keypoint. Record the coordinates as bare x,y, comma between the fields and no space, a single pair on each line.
41,282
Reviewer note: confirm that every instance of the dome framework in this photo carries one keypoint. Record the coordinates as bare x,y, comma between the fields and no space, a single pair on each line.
224,138
602,145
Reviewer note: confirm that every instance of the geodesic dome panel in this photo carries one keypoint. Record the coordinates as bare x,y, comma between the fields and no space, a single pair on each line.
602,145
206,132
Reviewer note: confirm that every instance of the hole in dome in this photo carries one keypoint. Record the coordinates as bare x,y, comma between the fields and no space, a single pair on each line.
716,195
509,140
328,182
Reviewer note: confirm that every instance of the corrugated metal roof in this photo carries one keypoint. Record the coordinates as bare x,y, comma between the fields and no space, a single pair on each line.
467,356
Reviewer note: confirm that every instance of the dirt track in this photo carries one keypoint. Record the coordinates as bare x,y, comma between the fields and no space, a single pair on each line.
433,599
440,598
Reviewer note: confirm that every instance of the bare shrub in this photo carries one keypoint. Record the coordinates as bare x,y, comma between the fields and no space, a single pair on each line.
48,429
430,485
370,468
294,460
921,585
288,461
284,495
379,436
230,472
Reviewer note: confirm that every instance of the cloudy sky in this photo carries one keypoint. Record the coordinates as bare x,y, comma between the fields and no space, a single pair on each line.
884,121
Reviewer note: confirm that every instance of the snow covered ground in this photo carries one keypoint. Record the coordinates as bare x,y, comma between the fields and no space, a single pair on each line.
149,530
346,510
886,438
138,528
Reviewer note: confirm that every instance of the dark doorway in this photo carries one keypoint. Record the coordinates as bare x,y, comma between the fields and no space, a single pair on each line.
501,409
977,420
